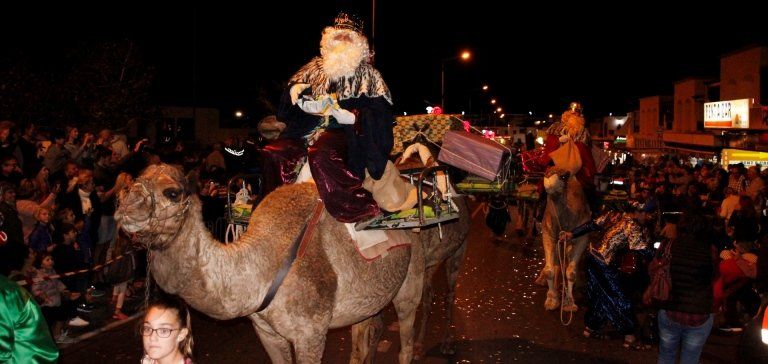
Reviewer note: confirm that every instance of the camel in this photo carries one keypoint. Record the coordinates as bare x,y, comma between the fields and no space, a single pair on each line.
446,243
566,209
330,285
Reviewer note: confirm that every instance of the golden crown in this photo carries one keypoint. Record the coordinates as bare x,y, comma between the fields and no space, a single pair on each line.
348,21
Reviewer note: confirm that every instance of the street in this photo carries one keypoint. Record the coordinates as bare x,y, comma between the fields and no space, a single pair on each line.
499,318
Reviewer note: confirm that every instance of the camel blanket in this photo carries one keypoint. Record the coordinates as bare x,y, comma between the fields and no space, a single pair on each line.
372,244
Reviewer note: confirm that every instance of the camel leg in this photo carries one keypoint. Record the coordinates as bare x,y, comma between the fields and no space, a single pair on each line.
277,347
575,252
550,271
309,348
452,267
365,339
426,309
407,300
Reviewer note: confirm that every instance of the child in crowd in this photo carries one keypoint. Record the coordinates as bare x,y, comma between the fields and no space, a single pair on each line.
40,240
167,332
49,292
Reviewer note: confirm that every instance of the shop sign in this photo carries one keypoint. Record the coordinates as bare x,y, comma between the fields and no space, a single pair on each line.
731,114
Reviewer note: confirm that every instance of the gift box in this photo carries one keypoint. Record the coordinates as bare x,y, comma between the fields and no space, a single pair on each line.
473,153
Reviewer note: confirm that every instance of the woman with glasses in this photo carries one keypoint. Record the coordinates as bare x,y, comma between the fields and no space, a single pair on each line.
167,332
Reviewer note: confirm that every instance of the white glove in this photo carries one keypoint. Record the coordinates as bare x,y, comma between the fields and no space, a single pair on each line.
315,107
343,116
296,90
565,138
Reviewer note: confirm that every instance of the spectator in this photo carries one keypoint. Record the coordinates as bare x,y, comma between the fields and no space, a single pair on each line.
27,205
10,170
118,146
215,159
167,332
7,146
686,318
30,163
56,155
120,273
23,335
756,185
40,240
729,205
49,292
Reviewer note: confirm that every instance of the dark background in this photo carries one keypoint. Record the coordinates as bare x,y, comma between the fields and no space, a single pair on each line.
535,56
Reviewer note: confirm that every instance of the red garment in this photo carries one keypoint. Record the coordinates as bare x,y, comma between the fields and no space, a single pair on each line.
688,319
588,169
730,274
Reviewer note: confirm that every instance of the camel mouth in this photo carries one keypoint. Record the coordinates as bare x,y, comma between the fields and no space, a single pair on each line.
553,184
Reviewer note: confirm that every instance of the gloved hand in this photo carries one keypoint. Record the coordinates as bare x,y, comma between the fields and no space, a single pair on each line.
315,107
343,116
565,138
296,90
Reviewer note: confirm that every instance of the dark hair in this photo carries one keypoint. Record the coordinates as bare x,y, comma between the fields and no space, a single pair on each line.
38,262
166,301
66,228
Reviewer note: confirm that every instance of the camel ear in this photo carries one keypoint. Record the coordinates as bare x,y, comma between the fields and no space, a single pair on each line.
565,176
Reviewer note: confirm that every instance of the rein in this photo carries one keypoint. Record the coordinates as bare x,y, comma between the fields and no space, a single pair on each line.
297,248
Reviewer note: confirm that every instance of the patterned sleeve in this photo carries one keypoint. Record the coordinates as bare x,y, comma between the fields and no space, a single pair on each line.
636,237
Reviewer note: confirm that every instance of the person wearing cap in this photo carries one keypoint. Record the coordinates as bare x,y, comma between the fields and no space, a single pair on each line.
338,113
608,300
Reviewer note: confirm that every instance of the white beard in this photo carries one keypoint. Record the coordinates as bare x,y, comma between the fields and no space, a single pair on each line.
341,59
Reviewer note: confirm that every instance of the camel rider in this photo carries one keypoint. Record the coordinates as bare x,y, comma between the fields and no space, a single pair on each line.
338,113
571,127
610,300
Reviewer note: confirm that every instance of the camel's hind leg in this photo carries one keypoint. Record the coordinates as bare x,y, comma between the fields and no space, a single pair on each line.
309,348
452,266
365,339
574,253
277,347
426,309
550,270
407,301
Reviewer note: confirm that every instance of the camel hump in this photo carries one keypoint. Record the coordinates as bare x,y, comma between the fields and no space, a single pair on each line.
288,204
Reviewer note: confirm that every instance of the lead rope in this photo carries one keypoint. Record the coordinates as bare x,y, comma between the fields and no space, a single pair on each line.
562,256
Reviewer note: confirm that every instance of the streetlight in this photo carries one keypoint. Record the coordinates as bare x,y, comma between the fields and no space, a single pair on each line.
464,56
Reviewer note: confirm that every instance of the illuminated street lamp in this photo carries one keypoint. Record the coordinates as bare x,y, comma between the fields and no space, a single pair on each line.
493,101
464,56
238,114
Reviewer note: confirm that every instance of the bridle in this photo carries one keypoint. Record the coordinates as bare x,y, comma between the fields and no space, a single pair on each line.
145,185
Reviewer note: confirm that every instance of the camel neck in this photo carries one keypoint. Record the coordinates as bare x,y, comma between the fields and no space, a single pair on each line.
221,280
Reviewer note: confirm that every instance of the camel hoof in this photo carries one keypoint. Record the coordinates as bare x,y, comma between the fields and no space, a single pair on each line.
570,308
551,304
447,349
418,351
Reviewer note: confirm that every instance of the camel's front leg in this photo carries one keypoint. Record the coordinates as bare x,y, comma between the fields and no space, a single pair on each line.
550,269
277,347
365,339
575,252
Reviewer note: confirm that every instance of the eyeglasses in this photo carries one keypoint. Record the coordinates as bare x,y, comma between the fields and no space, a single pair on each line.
161,332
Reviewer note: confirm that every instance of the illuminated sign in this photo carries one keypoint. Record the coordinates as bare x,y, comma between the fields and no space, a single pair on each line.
748,157
732,114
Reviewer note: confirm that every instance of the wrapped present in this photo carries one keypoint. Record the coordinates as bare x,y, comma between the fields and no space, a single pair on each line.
531,160
473,153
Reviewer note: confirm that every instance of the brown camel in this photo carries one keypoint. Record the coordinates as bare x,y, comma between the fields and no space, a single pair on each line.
566,209
329,286
446,243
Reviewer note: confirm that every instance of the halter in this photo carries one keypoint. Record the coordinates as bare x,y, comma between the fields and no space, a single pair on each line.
145,186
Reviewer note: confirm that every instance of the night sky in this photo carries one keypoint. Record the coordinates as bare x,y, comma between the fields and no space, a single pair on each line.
534,57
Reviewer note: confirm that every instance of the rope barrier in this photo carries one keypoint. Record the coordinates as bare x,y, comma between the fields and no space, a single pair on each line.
98,267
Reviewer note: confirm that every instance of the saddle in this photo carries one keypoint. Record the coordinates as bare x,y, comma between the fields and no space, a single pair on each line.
433,191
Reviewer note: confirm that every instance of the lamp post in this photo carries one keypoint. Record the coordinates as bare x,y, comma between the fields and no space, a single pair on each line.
464,56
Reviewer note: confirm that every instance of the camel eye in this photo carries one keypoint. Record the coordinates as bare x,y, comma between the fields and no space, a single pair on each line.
173,194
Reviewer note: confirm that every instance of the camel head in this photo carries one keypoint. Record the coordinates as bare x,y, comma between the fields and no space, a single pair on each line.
555,181
155,205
